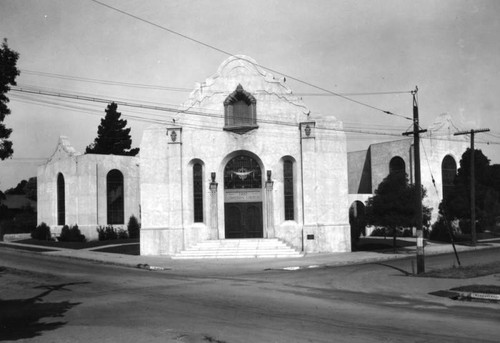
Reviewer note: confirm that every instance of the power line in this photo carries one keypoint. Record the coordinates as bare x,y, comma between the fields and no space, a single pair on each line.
125,102
74,93
256,64
105,82
181,89
354,93
81,109
167,120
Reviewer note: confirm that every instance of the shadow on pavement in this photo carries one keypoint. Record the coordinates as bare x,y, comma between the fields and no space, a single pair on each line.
405,273
22,318
378,244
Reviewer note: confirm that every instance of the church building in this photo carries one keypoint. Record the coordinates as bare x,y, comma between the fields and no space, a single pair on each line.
243,158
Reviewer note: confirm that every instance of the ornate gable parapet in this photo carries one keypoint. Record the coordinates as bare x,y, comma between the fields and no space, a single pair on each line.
442,126
235,70
63,150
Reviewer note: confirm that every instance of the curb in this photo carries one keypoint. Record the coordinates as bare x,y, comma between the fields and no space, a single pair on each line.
134,262
474,296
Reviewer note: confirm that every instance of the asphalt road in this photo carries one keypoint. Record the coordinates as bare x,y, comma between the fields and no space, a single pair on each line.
48,299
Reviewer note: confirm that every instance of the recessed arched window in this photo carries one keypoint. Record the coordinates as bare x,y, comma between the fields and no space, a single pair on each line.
288,189
397,165
448,172
115,197
242,172
240,111
198,192
61,201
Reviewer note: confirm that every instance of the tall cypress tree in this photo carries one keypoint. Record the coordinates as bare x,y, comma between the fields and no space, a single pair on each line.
112,135
8,74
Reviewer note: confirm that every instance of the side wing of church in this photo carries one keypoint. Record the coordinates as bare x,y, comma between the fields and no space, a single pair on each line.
87,190
440,153
244,159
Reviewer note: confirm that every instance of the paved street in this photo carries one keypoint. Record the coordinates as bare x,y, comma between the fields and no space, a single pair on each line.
54,299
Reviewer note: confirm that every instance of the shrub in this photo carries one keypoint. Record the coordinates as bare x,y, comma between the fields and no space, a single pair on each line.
440,231
379,232
122,234
71,234
106,233
465,226
22,222
407,233
41,232
133,227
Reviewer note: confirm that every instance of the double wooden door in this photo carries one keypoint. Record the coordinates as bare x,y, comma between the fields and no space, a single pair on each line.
243,220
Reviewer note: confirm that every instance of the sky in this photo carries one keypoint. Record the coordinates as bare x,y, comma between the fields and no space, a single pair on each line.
449,49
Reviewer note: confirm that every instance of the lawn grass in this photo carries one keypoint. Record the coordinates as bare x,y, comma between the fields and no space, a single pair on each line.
27,248
77,245
128,249
465,272
377,243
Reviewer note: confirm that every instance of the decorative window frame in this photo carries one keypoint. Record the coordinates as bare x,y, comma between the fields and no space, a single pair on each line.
242,125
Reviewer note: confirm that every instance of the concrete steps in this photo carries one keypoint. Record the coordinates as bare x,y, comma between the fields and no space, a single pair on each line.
239,248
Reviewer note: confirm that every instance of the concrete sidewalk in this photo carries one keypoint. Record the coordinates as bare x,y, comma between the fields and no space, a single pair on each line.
240,266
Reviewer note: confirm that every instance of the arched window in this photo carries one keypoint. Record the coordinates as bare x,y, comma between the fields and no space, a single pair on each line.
115,198
61,201
288,189
242,172
396,165
448,172
198,192
240,111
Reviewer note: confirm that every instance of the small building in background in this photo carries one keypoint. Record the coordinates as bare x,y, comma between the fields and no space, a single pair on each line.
16,203
89,190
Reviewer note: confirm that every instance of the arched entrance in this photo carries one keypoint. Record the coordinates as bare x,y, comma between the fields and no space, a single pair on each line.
243,198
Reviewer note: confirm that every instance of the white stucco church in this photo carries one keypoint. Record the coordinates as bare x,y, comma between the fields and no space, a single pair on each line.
243,158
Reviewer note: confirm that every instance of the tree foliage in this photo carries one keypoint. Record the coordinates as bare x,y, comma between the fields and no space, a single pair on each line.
8,74
133,227
112,135
31,189
393,205
19,189
24,187
487,192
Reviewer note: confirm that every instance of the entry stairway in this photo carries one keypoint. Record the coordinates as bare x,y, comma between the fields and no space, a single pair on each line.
239,248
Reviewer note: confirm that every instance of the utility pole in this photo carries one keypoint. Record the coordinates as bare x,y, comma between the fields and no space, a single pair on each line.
418,184
472,182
